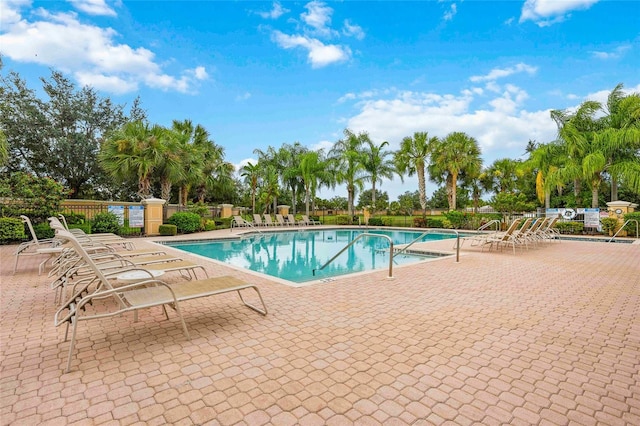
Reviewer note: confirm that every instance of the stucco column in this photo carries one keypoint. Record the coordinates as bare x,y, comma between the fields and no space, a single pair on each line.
617,210
283,210
226,210
152,215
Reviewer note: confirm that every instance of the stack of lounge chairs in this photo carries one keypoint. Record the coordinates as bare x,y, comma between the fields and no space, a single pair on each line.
520,234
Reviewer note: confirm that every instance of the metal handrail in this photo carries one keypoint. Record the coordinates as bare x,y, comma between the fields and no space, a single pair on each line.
491,222
622,227
365,234
430,231
251,225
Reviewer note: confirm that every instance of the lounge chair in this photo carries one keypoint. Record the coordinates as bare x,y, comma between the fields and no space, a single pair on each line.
292,220
281,221
257,220
239,222
36,247
136,296
268,221
306,221
506,238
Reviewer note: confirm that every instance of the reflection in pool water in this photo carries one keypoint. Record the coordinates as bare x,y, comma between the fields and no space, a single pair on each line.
293,255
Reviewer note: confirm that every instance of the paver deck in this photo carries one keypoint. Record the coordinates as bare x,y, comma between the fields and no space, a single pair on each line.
547,336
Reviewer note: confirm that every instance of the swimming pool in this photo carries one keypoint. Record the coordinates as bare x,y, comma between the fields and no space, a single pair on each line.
293,255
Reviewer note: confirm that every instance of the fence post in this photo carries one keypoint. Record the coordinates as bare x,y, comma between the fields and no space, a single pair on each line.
152,215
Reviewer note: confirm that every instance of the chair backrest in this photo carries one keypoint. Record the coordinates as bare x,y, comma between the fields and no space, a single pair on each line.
64,221
305,219
257,219
511,229
280,219
267,219
239,220
26,220
551,223
291,219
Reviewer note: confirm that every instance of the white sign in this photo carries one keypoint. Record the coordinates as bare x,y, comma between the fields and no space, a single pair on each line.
136,216
591,218
118,211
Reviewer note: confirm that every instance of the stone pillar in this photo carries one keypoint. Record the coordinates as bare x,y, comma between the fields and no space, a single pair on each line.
152,215
617,210
283,210
226,210
367,214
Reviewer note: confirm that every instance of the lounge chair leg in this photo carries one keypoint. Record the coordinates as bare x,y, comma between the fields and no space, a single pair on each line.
73,341
164,309
262,311
184,325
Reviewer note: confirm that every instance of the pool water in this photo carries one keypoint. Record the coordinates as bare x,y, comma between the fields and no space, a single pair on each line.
293,255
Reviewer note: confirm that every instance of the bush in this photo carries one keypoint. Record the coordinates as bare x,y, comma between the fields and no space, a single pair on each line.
631,226
200,209
419,222
168,229
11,229
209,225
105,222
74,218
608,224
31,196
375,221
434,223
456,219
43,230
570,227
343,220
185,222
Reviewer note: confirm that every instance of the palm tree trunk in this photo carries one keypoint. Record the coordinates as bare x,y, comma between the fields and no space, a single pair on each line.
454,189
373,199
594,197
614,189
422,190
547,198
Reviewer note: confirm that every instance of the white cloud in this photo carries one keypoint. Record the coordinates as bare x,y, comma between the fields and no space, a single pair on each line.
449,14
548,12
615,54
93,7
243,97
276,11
502,130
318,17
497,73
318,53
61,41
352,30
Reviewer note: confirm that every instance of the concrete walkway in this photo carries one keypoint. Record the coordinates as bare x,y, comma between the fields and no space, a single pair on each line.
547,336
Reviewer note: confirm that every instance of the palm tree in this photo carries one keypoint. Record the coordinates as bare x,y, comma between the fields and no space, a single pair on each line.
544,161
347,161
502,175
289,157
412,158
4,149
451,156
135,150
171,167
251,173
378,165
268,163
314,171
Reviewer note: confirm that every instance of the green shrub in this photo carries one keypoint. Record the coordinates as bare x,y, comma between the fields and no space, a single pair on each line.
105,222
343,220
434,223
185,222
11,229
456,219
201,209
316,218
609,224
631,226
209,225
74,218
375,221
570,227
43,230
419,222
168,229
32,196
223,222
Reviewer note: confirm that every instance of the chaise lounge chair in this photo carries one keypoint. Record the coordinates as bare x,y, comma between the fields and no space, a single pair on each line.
136,296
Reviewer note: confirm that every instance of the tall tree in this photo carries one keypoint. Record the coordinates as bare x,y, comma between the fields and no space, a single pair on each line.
412,159
314,172
135,150
378,164
251,173
455,154
346,157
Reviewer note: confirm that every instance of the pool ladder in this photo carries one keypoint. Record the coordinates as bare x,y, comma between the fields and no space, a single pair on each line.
622,227
429,231
365,234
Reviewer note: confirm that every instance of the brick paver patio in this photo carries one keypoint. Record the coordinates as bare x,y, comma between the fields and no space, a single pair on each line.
548,336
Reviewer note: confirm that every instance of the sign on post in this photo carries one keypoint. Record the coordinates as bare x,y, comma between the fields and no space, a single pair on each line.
118,211
136,216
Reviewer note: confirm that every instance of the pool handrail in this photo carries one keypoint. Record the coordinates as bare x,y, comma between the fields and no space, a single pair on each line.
622,227
364,234
431,231
488,224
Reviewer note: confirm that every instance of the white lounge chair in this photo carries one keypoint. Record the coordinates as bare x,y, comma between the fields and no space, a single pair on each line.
306,221
136,296
257,220
239,222
268,221
281,221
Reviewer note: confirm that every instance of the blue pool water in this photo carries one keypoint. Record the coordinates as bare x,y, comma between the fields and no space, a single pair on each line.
293,255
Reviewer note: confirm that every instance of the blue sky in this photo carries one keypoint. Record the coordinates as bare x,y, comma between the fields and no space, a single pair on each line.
258,73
